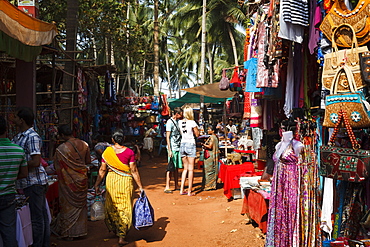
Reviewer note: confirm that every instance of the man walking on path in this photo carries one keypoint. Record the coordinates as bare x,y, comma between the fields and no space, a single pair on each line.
35,185
13,166
173,138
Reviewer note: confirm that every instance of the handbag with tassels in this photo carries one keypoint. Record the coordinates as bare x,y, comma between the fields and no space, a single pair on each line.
349,164
353,103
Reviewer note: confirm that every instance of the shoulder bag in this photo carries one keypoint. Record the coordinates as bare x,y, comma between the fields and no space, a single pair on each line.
349,57
349,164
353,103
224,83
143,213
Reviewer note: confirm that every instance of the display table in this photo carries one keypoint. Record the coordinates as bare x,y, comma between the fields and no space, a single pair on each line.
230,175
250,153
52,196
255,205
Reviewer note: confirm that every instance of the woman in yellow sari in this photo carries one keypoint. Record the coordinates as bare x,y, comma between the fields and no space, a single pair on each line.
119,162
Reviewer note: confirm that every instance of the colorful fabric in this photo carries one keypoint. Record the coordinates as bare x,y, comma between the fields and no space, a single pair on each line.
282,227
70,166
20,26
110,157
31,143
119,190
211,166
251,66
12,157
118,203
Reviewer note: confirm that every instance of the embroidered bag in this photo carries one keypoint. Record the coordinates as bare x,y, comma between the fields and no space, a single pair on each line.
349,57
349,164
224,83
353,104
358,18
143,213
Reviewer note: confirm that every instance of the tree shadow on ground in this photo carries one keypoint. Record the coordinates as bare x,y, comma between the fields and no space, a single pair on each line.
155,233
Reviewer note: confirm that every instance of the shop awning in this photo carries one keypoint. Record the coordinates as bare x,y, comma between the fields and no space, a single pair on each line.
192,98
21,35
210,90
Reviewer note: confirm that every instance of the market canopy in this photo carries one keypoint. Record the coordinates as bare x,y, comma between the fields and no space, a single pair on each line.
21,36
192,98
210,90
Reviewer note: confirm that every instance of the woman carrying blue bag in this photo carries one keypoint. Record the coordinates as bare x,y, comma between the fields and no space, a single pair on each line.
119,162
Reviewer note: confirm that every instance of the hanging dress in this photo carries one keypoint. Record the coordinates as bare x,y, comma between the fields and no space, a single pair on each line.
282,226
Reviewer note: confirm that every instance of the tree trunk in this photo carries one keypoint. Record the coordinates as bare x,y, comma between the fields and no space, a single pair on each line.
127,51
203,47
168,74
210,62
233,45
68,80
156,49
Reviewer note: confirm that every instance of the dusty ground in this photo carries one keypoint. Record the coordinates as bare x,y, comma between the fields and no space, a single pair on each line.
206,219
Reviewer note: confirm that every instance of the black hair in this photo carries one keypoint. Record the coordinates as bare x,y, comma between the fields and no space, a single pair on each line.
177,110
118,137
3,125
213,127
65,130
26,114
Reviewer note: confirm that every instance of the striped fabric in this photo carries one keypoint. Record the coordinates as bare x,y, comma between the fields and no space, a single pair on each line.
118,203
11,158
296,12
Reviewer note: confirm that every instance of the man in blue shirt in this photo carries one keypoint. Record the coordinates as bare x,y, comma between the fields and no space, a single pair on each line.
35,184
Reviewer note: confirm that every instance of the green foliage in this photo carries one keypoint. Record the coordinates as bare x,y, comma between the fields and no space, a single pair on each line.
102,22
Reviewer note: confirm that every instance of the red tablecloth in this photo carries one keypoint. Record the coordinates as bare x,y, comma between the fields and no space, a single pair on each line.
230,175
52,196
256,207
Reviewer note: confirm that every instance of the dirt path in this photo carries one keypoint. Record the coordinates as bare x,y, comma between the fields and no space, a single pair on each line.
206,219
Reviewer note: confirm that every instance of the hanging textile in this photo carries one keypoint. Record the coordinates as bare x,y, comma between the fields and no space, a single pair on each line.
289,30
82,90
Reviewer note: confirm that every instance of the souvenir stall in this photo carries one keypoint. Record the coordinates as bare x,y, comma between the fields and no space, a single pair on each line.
133,114
305,103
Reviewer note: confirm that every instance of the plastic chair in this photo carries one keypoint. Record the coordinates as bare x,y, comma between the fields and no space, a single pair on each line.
162,144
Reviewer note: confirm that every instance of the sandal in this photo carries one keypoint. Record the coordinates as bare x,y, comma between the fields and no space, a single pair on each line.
191,194
168,191
184,193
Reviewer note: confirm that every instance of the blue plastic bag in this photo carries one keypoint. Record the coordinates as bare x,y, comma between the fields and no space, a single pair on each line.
143,213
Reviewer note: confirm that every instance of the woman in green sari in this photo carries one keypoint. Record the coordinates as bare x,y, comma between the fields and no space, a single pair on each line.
211,163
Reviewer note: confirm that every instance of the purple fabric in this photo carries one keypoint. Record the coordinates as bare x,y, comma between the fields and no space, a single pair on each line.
314,34
283,218
297,73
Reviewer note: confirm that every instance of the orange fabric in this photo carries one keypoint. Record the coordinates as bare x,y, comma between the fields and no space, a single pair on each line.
23,19
256,207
